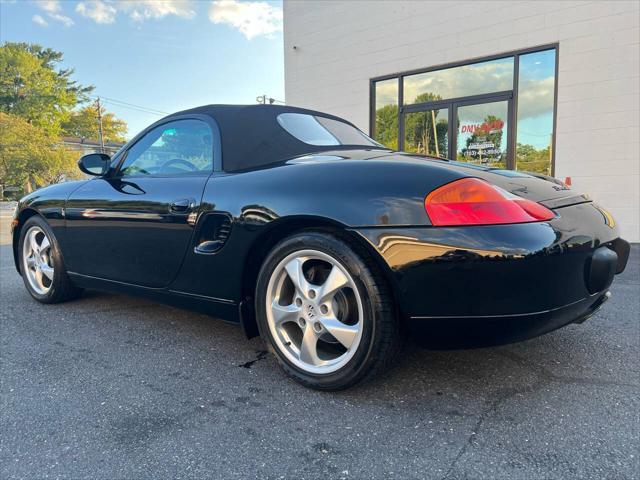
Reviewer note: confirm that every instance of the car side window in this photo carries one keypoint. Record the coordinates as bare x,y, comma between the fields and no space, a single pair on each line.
182,147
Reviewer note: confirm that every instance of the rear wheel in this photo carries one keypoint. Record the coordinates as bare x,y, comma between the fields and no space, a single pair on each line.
41,264
326,312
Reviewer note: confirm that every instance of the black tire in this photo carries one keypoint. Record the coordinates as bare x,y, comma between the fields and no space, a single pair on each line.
381,332
61,288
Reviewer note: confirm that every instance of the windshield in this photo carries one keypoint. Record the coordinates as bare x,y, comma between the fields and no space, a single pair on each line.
323,131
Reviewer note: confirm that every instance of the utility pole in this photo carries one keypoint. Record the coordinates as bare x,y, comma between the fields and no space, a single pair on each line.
99,110
263,99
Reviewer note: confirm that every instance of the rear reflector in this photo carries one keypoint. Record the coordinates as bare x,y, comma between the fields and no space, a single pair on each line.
472,201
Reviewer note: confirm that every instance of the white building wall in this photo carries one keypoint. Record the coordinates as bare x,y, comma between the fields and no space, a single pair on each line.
340,45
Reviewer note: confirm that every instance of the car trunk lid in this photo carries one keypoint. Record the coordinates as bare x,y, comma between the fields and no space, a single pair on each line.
548,191
539,188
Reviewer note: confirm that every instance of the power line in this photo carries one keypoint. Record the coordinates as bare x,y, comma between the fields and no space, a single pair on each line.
132,106
136,106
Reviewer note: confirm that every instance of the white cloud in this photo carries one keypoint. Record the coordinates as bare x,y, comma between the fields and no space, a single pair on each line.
535,97
39,20
251,18
98,11
54,11
66,21
140,10
106,11
49,6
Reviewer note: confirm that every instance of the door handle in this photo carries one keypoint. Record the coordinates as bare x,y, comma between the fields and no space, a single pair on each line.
184,205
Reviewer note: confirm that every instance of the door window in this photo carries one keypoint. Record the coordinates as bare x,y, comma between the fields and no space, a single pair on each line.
482,134
182,147
426,132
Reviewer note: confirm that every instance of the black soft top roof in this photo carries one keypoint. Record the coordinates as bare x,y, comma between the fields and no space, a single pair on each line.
252,136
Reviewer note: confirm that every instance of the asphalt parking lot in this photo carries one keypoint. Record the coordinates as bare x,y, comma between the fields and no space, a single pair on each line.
112,387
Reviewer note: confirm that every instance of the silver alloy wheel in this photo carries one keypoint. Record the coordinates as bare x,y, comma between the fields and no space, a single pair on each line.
36,260
314,311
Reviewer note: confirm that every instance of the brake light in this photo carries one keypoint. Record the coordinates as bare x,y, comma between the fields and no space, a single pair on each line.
472,201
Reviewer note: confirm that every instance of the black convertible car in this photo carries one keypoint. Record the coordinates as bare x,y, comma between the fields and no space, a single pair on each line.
299,227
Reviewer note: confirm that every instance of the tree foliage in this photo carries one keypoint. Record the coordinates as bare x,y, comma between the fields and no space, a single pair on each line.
531,159
420,136
386,130
30,156
32,87
39,103
83,123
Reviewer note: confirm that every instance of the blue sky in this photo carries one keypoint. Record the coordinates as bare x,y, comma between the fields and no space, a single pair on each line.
162,56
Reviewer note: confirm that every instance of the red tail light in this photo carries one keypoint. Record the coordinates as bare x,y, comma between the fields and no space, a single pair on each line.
472,201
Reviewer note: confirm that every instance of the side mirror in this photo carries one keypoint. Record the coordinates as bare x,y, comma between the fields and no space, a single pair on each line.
96,164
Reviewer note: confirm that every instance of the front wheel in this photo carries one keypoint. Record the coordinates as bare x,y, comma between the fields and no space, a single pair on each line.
41,264
326,311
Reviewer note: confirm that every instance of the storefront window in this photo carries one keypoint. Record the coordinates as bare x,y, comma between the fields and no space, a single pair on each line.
482,134
386,121
426,132
464,81
485,112
536,86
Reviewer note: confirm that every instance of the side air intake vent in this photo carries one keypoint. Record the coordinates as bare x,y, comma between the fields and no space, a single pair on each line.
214,233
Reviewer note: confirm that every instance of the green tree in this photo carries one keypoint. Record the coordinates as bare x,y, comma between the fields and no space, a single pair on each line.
387,126
421,133
31,157
531,159
32,85
84,123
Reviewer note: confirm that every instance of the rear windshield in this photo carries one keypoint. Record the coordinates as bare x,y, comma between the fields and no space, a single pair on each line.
323,131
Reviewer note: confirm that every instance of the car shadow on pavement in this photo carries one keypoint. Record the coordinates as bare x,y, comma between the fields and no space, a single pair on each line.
568,355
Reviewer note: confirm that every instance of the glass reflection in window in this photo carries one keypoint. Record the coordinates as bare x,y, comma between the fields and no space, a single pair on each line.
426,132
182,147
474,79
482,134
536,86
318,130
386,127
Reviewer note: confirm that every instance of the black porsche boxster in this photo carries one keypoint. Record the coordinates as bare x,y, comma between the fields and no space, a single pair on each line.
296,225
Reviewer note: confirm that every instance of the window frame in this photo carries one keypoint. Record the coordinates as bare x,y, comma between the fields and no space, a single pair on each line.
483,98
216,148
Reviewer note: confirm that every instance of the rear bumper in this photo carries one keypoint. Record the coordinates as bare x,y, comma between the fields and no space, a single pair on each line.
475,332
521,280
